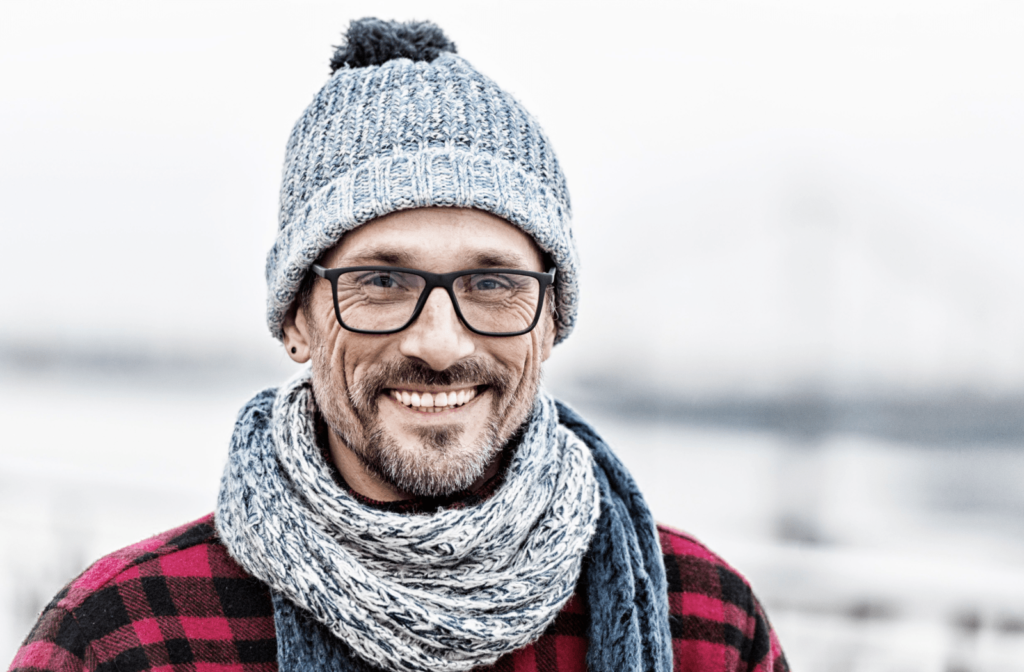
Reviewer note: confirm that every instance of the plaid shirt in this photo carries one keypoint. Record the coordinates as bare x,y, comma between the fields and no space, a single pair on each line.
177,602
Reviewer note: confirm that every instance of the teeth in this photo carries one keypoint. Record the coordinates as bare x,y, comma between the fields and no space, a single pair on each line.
428,402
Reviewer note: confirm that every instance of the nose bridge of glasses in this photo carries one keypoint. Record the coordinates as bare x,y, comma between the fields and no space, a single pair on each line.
435,307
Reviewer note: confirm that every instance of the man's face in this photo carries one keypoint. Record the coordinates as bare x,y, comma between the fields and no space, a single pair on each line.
366,385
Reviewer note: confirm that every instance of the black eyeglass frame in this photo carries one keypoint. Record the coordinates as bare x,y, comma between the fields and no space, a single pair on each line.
434,280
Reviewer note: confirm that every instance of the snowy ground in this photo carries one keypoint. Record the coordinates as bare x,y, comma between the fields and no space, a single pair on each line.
869,555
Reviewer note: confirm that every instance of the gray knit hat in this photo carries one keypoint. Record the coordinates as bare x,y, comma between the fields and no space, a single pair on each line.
405,123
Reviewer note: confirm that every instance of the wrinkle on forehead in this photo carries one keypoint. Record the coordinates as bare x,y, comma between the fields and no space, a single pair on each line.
387,255
438,239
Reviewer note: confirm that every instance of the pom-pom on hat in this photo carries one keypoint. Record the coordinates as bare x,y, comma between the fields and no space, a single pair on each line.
405,123
375,42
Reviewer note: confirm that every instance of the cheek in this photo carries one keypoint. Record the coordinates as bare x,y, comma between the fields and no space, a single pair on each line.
520,354
336,352
362,354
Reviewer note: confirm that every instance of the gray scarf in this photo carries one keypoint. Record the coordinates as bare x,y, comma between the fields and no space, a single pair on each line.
450,590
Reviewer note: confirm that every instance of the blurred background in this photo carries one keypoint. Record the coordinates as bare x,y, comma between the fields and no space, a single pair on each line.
801,228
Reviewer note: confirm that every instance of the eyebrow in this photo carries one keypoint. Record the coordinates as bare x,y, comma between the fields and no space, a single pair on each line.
385,256
392,256
493,259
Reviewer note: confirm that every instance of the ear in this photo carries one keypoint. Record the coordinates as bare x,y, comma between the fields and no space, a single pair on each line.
550,330
296,335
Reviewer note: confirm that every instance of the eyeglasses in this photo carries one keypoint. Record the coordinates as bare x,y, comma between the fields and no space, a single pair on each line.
387,299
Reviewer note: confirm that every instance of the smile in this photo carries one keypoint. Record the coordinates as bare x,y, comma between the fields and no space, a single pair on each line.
433,402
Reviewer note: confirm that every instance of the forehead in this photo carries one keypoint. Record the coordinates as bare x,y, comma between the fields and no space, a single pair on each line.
437,239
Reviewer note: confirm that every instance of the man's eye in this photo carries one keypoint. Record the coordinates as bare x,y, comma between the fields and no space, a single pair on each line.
490,283
381,280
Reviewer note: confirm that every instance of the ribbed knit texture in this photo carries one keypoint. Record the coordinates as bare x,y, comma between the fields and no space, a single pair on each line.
408,134
626,586
450,590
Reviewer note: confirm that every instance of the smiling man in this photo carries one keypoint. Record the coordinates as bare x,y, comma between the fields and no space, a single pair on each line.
412,499
421,385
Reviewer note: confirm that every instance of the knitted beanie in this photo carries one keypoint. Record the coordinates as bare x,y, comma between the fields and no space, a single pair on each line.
406,123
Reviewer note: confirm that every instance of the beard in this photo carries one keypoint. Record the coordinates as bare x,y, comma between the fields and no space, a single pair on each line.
441,460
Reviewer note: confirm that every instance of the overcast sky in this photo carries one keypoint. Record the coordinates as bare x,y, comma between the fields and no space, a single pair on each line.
766,194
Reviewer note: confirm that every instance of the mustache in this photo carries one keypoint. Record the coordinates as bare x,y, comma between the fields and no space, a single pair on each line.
407,372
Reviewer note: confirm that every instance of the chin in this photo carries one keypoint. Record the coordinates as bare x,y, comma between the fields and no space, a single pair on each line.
430,461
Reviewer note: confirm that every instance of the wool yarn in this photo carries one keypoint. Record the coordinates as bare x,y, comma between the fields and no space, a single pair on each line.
451,590
623,576
404,123
627,589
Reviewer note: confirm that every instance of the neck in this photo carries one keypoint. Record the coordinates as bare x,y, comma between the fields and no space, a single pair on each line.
362,480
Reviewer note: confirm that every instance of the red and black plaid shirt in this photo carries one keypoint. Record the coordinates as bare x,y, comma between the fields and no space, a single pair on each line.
178,603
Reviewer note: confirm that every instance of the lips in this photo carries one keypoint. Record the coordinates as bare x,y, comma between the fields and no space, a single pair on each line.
433,402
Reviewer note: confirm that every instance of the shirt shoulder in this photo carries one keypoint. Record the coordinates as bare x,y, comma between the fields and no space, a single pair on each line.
716,621
177,598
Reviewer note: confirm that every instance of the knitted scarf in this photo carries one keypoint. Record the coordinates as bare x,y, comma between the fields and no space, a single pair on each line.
356,588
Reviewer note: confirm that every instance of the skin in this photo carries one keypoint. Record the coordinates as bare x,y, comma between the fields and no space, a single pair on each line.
385,450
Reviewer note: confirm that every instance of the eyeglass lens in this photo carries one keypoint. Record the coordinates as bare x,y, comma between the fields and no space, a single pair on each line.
500,303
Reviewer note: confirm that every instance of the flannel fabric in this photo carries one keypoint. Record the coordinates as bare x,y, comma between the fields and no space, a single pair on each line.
177,602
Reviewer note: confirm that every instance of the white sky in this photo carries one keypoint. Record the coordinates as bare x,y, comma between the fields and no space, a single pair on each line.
766,194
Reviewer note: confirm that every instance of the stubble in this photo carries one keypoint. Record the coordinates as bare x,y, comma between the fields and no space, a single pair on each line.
441,462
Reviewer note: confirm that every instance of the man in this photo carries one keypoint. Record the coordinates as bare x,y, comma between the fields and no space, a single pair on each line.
412,500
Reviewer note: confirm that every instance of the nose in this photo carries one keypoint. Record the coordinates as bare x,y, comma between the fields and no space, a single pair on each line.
437,337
